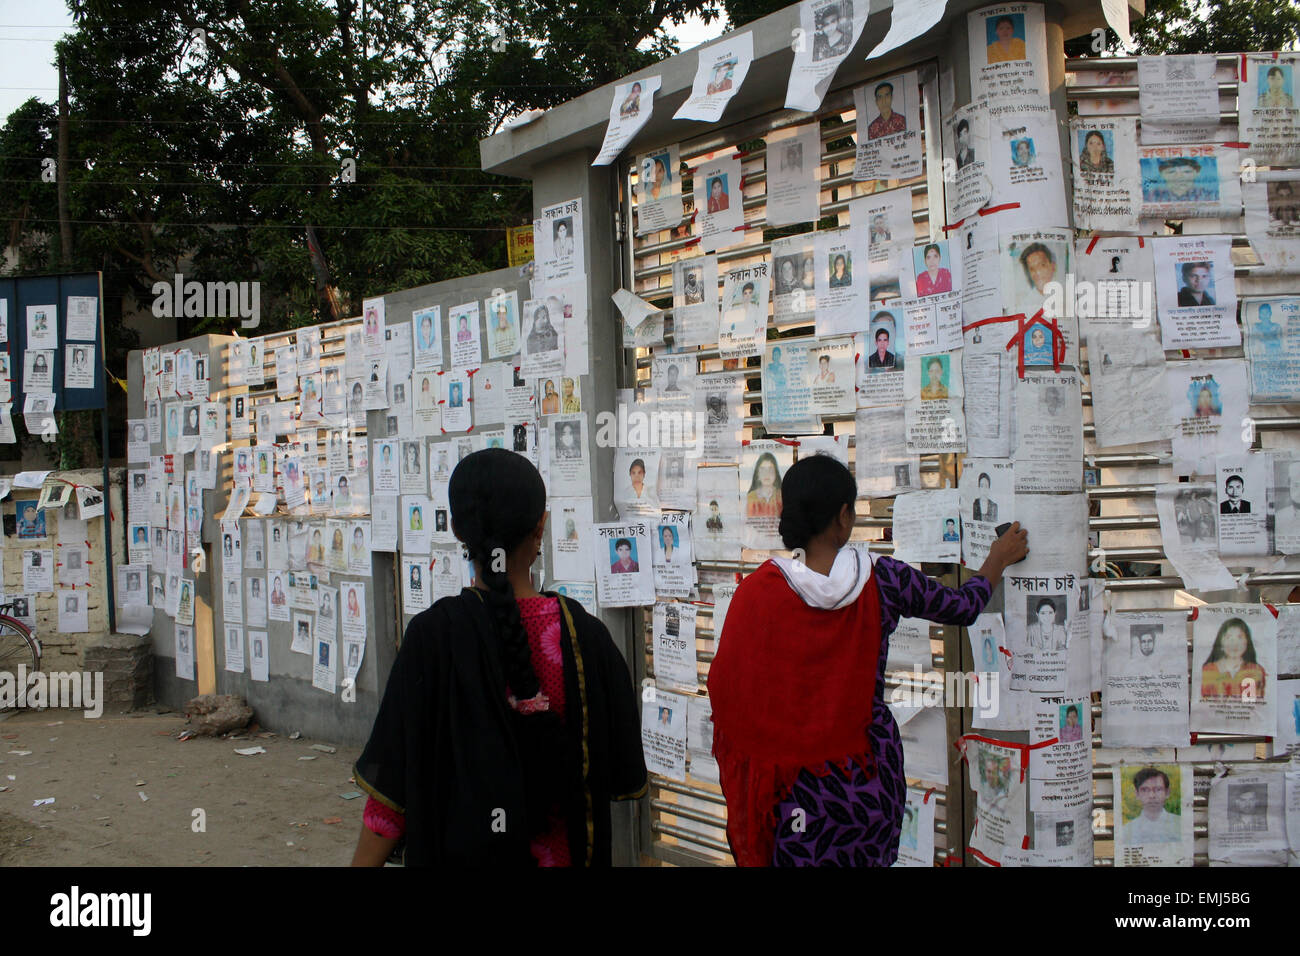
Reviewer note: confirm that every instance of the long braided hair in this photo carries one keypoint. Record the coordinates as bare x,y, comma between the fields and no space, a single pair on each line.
497,498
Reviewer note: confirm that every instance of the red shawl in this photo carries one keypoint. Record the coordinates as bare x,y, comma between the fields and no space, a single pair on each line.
792,689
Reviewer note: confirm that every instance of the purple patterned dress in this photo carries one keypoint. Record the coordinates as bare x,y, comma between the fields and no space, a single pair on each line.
850,820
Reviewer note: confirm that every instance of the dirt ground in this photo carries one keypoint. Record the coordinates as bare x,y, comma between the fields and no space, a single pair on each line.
272,809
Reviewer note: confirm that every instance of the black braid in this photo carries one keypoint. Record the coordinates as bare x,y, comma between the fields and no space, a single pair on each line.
497,498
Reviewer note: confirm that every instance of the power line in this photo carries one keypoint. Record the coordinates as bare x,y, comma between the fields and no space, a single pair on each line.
266,225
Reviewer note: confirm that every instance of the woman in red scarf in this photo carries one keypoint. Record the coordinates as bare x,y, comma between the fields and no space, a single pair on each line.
809,754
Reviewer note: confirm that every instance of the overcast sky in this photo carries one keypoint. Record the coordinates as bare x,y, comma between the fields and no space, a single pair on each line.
29,28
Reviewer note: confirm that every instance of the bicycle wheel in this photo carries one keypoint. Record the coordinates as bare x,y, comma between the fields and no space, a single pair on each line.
17,648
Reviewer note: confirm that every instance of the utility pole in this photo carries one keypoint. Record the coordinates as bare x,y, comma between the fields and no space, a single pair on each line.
65,224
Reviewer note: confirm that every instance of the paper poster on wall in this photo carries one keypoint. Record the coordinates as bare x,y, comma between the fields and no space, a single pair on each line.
881,356
839,298
1178,98
658,191
1041,622
1267,116
794,297
1248,818
1060,773
1049,432
463,333
560,246
674,647
1002,708
1209,402
623,564
1153,814
793,175
718,203
456,412
934,418
1242,479
888,128
571,540
426,334
882,463
762,464
1234,669
970,187
695,301
987,501
1196,291
1107,186
828,32
1144,689
636,481
916,839
717,531
722,68
630,110
1035,264
742,329
674,569
1000,784
1117,284
1271,332
928,525
1189,182
1128,388
1024,165
788,409
1008,51
663,733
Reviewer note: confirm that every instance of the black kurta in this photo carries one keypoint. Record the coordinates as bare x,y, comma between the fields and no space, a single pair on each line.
444,748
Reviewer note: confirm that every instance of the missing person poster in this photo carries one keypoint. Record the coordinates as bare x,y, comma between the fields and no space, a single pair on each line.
763,462
794,292
717,530
1024,164
793,175
658,190
1008,52
695,301
927,526
1107,184
1049,432
1209,402
1060,773
970,186
828,31
888,128
987,500
1242,479
1234,669
663,732
720,406
719,73
1187,513
841,293
882,463
1127,371
623,564
674,647
1189,182
674,566
935,421
1267,114
1196,291
998,777
630,110
1248,818
1041,621
881,356
742,330
718,203
916,841
1271,333
1153,814
1144,689
1178,98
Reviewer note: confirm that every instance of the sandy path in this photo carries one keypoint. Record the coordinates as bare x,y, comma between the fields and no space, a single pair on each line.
264,810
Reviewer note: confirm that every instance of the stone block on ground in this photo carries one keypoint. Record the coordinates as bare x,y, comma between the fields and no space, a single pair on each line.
213,714
126,661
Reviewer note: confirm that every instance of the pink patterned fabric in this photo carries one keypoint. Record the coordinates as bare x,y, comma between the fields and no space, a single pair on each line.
542,622
382,820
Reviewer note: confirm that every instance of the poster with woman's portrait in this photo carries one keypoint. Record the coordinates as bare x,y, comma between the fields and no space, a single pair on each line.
762,464
426,334
464,333
543,337
1268,116
636,481
1107,185
1234,667
718,203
